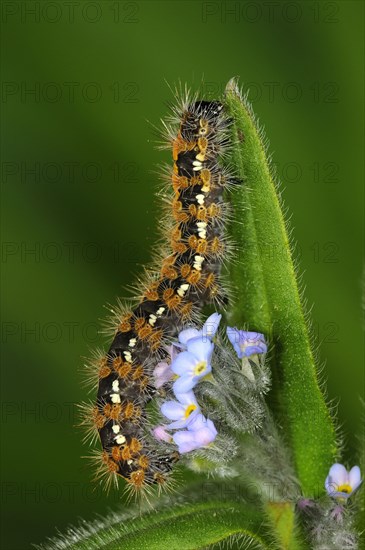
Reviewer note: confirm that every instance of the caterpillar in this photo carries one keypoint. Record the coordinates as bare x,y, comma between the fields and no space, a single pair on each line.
186,277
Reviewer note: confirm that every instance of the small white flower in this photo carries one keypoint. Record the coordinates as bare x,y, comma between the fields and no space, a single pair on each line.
342,484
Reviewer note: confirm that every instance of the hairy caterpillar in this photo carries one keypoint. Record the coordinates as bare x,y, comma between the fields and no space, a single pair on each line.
185,279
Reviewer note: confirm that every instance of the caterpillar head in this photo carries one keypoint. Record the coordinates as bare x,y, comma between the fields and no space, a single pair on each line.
200,119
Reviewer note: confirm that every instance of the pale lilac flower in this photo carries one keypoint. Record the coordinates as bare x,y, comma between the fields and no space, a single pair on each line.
211,325
174,350
209,329
342,484
162,374
246,343
188,334
181,411
161,434
200,433
190,362
193,364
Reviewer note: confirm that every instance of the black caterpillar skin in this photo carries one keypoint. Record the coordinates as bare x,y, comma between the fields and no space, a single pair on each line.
188,279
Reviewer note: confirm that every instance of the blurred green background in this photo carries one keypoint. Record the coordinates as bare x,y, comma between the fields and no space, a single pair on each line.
79,173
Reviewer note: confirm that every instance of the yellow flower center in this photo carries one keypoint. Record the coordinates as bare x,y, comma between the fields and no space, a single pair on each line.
200,368
189,410
346,488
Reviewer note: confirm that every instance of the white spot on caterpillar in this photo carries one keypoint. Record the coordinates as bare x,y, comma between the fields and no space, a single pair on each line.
128,356
152,320
197,165
132,342
115,385
198,262
116,429
115,397
160,310
120,439
129,462
201,229
182,289
200,198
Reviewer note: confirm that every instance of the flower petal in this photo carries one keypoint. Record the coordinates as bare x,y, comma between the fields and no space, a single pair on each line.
201,350
175,349
355,478
251,336
330,486
173,410
161,434
185,441
211,325
200,433
205,436
246,343
187,398
160,368
251,350
183,422
184,363
197,423
188,334
184,384
162,374
338,474
233,335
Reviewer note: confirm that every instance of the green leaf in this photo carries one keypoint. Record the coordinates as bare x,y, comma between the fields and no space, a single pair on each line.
283,521
268,300
178,527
